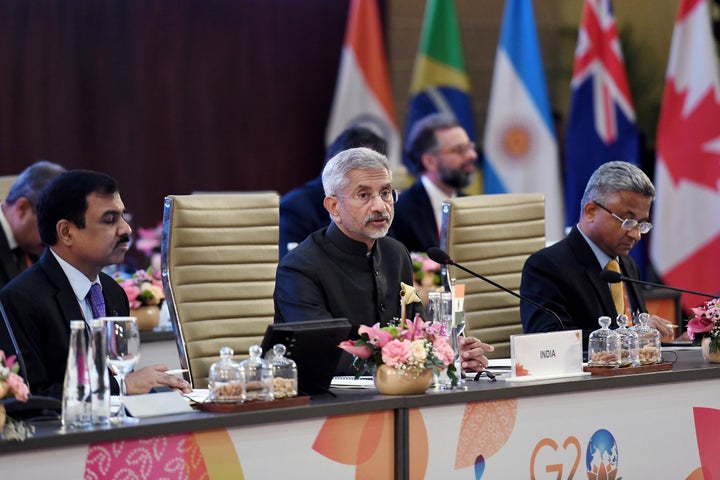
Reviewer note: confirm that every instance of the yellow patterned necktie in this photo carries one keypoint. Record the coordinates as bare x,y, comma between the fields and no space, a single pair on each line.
616,289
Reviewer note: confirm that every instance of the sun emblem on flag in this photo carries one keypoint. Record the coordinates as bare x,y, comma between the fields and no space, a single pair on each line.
516,140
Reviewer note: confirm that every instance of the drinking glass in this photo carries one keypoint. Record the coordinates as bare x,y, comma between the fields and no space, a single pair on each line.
123,352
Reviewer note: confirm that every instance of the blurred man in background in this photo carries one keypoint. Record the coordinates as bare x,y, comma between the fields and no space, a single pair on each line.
443,155
20,243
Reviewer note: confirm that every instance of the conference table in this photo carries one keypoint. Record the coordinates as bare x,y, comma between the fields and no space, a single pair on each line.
663,424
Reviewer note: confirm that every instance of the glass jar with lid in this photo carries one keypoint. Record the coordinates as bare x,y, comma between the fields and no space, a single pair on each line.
604,346
649,339
258,376
226,379
284,373
629,350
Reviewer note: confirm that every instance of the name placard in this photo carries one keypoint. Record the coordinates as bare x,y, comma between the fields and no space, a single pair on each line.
537,356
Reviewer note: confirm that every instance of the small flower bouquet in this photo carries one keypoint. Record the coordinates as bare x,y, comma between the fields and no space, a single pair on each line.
411,348
148,240
427,273
143,288
12,384
706,323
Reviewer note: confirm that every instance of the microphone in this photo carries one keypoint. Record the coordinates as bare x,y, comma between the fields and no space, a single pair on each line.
440,256
610,276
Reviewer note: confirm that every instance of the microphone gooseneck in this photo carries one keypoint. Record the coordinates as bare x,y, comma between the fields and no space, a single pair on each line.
615,277
441,256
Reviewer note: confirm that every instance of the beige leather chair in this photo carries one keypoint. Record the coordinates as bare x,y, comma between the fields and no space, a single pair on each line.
219,256
6,182
402,179
492,235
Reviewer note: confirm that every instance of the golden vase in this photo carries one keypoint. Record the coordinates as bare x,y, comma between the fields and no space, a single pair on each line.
3,417
148,316
389,382
713,357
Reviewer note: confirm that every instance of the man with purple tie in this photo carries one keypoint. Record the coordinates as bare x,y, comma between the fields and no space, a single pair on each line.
81,220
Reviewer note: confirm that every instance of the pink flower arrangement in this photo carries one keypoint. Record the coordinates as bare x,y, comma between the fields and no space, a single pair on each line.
706,323
148,239
143,288
425,271
411,348
10,381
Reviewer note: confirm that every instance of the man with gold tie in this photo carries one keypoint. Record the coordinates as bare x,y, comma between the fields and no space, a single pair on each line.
565,277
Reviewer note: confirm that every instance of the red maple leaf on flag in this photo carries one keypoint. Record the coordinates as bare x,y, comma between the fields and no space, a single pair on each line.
684,142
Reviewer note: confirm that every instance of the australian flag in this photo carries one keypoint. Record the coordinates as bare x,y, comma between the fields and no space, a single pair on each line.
601,126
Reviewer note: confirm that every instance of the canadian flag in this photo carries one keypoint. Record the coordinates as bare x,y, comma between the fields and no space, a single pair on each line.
685,244
362,94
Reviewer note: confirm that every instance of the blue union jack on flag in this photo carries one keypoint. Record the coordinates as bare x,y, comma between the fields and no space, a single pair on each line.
601,125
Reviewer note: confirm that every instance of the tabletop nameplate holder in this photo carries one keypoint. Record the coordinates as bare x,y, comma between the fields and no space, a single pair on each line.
540,356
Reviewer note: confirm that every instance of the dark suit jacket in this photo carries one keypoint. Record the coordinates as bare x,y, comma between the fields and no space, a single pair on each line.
301,213
331,276
8,266
40,304
565,278
414,224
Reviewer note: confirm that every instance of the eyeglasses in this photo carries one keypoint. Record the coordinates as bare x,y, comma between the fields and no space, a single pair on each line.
486,373
460,149
365,198
628,223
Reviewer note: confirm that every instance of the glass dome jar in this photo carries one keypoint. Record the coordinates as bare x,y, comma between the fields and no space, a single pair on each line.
604,346
284,373
649,339
258,376
629,350
226,379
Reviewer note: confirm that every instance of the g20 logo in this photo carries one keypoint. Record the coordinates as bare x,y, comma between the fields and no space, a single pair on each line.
601,457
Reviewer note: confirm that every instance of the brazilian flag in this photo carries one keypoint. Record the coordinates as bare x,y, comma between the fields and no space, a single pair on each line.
439,82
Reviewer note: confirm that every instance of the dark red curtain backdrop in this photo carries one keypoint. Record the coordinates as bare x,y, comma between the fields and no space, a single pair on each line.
170,96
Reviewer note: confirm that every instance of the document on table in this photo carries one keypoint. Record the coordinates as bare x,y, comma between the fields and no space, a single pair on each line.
352,382
499,366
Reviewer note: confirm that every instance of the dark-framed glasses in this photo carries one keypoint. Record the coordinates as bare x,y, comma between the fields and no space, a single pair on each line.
387,195
459,149
628,223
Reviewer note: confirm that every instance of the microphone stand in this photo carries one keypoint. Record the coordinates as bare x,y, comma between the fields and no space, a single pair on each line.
449,261
623,278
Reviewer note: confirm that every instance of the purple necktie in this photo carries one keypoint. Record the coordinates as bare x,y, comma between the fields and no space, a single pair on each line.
97,302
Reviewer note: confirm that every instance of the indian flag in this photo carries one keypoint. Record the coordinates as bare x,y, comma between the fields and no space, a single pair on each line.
362,93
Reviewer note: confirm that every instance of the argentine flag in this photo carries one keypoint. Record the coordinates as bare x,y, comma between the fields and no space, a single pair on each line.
521,152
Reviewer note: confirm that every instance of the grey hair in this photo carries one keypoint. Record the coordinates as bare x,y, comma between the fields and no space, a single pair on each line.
614,177
32,180
335,173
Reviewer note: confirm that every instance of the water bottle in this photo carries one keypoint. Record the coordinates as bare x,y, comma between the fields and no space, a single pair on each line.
447,324
77,404
99,376
434,307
